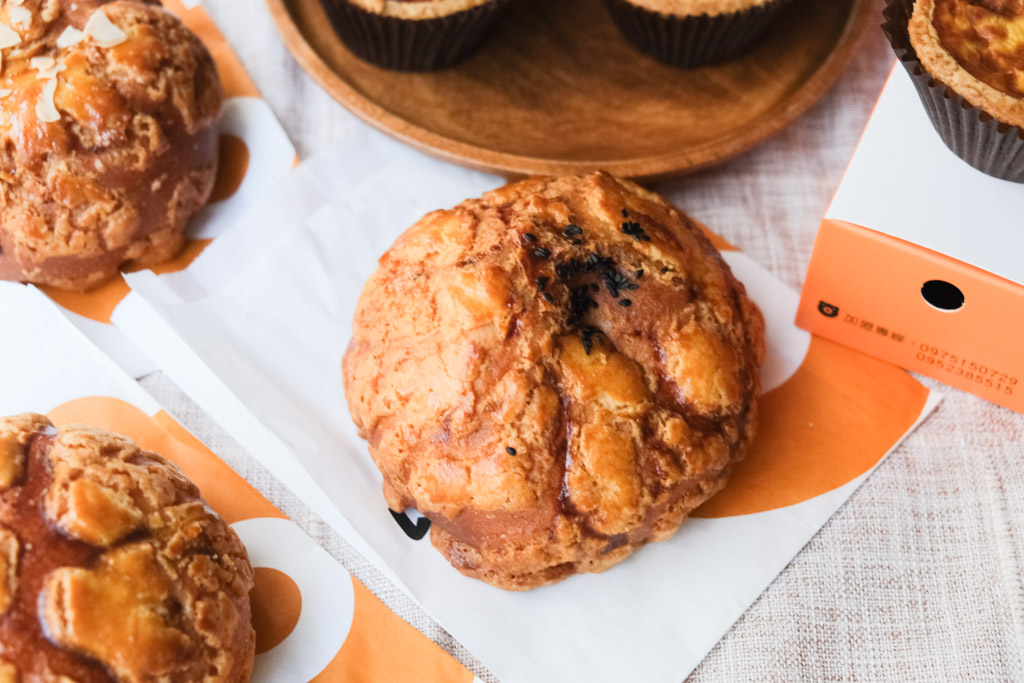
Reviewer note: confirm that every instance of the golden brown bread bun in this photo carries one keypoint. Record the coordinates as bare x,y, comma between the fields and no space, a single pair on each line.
555,374
112,567
108,138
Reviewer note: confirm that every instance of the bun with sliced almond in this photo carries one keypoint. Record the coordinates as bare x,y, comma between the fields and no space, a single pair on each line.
108,138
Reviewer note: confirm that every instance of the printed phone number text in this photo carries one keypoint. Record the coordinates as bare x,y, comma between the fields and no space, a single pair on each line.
969,370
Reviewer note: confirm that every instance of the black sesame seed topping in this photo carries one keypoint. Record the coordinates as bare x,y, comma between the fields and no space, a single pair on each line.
576,243
612,289
579,304
596,262
616,278
639,274
510,450
572,229
587,335
635,231
583,297
664,270
529,237
625,214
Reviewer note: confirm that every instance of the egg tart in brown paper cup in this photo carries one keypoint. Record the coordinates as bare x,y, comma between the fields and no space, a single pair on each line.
412,35
692,33
969,75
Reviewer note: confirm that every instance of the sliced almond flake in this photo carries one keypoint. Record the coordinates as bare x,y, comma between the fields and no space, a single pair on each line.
52,71
8,36
4,92
46,111
42,63
48,67
105,32
21,16
71,36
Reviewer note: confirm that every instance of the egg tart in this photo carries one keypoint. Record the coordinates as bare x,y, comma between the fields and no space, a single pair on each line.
412,35
966,58
692,33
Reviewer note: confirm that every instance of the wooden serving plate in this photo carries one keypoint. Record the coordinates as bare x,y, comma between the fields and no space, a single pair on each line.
555,88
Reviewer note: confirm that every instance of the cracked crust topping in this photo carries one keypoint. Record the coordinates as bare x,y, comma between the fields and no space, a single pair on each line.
109,129
9,548
555,374
976,47
14,438
113,568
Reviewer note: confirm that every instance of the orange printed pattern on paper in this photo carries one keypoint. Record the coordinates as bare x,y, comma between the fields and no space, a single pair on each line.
810,442
99,304
276,607
416,663
378,647
233,164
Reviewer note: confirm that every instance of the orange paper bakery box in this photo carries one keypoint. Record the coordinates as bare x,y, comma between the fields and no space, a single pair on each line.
920,258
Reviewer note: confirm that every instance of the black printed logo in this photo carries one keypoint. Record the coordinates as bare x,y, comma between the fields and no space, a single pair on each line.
414,530
827,309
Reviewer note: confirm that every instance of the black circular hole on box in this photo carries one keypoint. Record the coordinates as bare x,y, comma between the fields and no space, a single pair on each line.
942,295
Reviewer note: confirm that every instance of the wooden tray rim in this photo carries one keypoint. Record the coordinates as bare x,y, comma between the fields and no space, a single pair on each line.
510,165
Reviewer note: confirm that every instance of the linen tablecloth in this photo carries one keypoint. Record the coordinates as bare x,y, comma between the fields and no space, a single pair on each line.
920,577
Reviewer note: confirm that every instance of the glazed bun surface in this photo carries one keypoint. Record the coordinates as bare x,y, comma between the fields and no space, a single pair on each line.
109,129
112,566
555,374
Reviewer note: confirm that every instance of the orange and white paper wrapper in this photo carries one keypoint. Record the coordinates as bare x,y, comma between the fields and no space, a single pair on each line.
254,153
259,347
313,620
